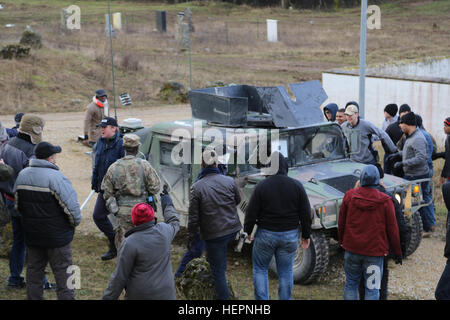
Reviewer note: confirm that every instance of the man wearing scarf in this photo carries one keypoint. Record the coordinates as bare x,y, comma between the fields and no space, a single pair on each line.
96,111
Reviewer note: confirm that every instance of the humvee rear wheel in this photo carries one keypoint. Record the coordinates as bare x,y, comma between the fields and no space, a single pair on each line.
415,222
309,264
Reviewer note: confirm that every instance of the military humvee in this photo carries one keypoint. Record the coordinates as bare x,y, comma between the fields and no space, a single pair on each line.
245,124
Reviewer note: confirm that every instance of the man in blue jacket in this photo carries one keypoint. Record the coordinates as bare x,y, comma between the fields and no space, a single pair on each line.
49,209
108,149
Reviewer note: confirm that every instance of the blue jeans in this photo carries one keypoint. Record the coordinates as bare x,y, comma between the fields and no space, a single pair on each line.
194,252
357,266
216,255
428,197
425,212
267,244
17,255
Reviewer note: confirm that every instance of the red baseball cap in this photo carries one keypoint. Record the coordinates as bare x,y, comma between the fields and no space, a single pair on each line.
142,213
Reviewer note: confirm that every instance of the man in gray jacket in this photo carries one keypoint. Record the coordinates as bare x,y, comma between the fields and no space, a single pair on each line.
366,130
49,209
212,207
144,268
414,161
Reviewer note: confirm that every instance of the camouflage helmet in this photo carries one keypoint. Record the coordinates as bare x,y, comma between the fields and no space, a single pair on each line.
32,125
131,140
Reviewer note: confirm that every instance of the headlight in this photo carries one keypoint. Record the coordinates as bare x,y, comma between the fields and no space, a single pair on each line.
415,190
398,197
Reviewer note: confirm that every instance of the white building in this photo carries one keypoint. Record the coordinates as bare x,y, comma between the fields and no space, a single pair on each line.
423,85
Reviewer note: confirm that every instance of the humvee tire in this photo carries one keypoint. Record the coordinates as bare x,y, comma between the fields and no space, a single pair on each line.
415,222
311,263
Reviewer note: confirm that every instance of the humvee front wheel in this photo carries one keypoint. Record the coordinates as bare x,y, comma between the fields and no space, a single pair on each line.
415,222
309,264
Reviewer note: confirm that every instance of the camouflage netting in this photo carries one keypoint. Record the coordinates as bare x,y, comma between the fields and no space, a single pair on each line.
196,282
6,239
31,38
173,92
15,51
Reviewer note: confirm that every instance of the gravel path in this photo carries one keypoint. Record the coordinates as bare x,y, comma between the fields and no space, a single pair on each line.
419,274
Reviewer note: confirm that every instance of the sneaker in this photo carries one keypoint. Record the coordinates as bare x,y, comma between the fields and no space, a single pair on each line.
426,234
49,286
21,285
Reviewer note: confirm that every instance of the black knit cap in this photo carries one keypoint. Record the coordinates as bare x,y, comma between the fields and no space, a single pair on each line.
45,149
419,120
392,109
409,119
404,108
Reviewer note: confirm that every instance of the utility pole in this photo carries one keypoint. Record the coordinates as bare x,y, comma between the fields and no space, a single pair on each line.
362,59
189,48
112,58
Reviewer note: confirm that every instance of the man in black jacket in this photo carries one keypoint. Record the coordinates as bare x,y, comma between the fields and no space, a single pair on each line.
443,287
212,208
49,211
17,153
108,149
277,206
445,174
395,133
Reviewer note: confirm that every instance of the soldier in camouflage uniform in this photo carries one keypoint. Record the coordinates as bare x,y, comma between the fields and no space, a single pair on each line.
127,182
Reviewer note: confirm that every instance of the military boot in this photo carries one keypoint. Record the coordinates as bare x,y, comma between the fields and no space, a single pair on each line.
111,253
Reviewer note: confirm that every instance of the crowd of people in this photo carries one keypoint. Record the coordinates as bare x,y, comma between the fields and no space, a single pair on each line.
43,208
409,153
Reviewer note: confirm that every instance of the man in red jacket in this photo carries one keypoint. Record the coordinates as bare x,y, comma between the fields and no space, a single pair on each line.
367,226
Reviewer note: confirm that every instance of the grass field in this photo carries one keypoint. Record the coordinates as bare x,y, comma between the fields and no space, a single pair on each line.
229,44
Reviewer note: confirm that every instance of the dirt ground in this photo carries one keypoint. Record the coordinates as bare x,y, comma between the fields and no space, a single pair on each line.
63,129
416,278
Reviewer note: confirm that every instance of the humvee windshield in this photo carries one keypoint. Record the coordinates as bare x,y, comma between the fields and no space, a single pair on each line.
306,146
316,144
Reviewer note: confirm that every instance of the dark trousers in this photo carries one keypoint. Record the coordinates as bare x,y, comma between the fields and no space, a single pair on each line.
216,255
17,254
101,217
194,252
443,287
60,259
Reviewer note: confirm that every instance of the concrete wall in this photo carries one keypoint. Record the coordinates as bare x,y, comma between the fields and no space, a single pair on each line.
429,99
